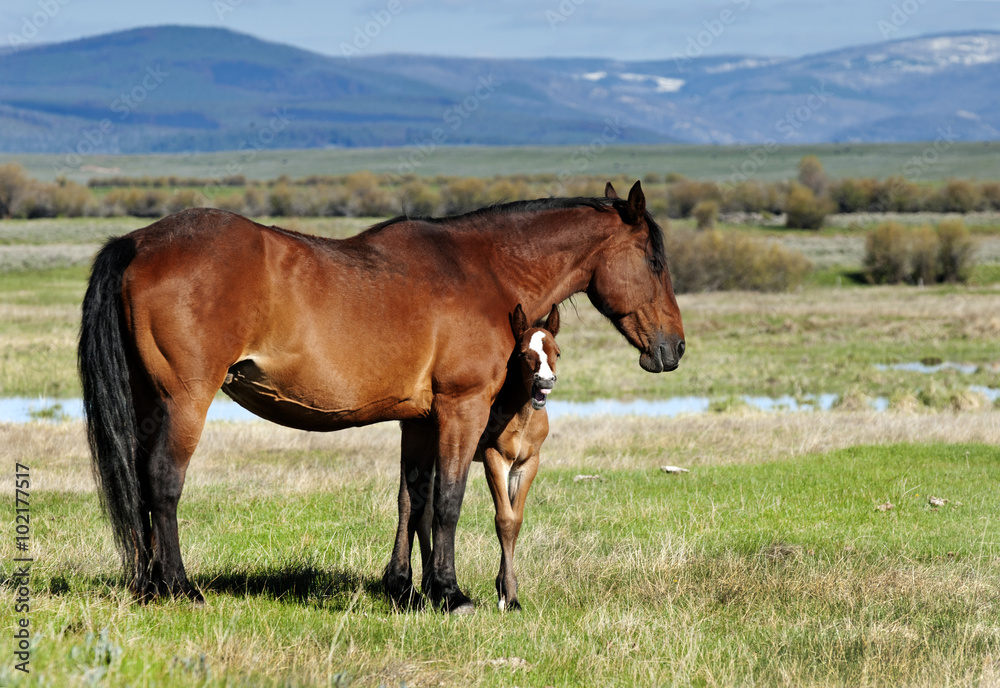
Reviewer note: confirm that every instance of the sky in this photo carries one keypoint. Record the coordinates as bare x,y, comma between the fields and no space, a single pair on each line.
626,30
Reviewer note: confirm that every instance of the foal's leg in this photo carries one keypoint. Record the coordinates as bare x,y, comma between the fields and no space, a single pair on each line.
460,425
509,490
417,450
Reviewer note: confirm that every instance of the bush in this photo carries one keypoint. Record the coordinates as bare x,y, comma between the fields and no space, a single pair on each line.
894,255
716,261
812,175
13,184
959,196
684,195
804,209
462,195
281,201
705,214
886,260
922,247
419,199
850,196
956,251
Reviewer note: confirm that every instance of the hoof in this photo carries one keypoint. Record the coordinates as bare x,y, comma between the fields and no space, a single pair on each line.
457,604
407,602
504,606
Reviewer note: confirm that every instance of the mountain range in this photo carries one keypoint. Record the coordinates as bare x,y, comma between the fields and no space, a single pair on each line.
178,89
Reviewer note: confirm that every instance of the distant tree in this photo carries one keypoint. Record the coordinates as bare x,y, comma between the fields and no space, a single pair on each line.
812,174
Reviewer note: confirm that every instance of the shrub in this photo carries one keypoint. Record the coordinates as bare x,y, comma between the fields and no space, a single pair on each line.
684,195
13,184
183,199
419,199
462,195
886,251
894,255
280,201
956,251
705,214
70,199
804,209
716,261
849,195
922,255
959,196
990,192
812,175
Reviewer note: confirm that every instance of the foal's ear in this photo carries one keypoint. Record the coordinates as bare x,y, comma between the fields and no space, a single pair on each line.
636,203
518,323
552,322
609,192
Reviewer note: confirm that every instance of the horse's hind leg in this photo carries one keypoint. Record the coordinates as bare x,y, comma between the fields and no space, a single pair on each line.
168,433
417,450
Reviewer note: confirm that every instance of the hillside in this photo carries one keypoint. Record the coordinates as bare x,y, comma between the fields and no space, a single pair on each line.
179,89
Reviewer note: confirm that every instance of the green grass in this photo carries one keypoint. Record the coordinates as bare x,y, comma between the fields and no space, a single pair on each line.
780,573
963,159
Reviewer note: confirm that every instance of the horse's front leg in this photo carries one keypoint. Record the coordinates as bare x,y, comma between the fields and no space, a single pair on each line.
417,451
460,425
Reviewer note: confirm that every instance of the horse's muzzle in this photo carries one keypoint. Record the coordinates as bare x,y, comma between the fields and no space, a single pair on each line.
664,355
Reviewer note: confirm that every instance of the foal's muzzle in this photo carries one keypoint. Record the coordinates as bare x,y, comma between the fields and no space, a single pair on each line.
540,388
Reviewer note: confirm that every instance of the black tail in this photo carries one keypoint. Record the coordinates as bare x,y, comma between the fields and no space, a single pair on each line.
108,404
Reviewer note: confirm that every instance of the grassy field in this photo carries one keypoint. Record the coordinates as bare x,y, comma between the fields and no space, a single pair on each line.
960,159
769,566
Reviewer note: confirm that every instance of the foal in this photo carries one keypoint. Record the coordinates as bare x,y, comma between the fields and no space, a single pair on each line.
509,448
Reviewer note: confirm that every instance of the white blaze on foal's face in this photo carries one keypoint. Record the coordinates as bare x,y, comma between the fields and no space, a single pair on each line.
537,345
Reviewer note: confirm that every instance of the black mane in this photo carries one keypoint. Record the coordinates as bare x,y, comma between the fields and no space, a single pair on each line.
658,260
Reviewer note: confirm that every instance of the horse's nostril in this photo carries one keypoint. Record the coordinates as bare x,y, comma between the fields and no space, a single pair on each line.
680,348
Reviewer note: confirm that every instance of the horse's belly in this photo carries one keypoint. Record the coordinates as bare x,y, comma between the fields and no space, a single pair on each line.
300,407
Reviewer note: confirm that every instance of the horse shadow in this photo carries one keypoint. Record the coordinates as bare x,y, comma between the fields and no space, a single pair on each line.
295,583
304,584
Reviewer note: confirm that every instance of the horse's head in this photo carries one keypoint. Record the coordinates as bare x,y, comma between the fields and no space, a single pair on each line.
631,285
536,351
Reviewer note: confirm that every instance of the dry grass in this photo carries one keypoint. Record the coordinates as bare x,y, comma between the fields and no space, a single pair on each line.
246,454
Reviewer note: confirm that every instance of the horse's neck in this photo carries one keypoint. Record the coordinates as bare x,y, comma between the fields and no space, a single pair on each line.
545,262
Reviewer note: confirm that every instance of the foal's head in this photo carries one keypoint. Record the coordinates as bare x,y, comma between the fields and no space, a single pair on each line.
536,351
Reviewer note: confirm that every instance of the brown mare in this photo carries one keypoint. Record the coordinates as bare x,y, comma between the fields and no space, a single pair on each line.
509,448
406,321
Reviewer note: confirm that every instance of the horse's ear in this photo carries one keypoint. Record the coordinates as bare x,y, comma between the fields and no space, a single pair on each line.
518,323
609,192
552,322
636,203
